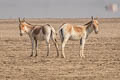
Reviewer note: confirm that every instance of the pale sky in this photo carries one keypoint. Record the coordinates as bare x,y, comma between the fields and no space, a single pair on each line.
56,8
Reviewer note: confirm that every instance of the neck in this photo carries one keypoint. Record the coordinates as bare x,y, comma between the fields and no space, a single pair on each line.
28,28
89,29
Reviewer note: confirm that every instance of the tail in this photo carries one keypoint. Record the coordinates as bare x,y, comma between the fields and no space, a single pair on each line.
61,34
52,29
53,34
60,27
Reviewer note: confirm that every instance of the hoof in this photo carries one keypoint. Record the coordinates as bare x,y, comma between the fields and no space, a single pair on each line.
35,55
31,55
82,56
47,54
62,56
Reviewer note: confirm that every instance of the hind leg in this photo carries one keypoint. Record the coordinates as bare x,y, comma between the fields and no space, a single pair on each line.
48,44
53,37
56,45
32,41
36,47
48,48
82,44
63,46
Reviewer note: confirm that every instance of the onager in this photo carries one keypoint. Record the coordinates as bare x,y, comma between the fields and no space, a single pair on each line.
77,32
38,32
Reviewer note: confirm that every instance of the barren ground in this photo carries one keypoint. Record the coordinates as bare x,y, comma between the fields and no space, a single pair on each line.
102,53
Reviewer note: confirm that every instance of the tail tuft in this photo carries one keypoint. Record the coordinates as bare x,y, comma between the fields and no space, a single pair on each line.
62,35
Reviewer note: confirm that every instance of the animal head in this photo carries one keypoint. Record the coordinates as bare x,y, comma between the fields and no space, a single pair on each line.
24,27
95,24
21,26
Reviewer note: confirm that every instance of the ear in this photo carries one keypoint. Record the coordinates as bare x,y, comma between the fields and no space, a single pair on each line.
92,18
19,19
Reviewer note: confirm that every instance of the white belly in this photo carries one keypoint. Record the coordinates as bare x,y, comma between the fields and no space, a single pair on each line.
75,37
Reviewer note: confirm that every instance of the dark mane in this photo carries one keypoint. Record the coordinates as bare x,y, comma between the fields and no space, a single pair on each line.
88,23
48,24
29,23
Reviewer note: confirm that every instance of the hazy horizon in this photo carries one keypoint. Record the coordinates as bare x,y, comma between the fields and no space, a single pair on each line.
56,8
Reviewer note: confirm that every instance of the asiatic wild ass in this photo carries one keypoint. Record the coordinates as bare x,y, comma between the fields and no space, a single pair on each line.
77,32
38,32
